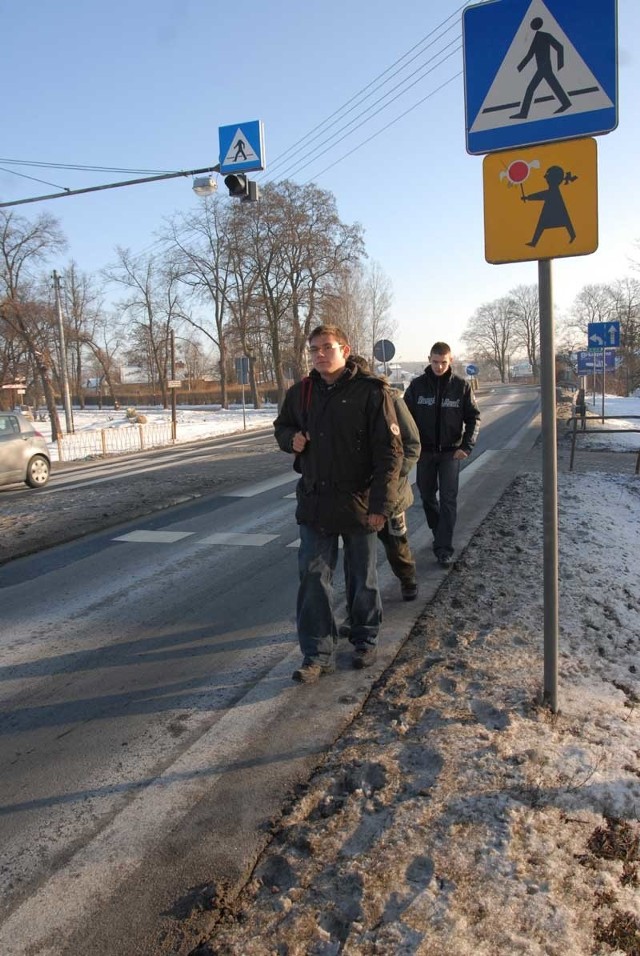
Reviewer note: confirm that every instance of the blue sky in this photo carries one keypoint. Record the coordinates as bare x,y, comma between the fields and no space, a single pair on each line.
144,85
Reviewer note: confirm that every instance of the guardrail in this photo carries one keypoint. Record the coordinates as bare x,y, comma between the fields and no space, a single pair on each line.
114,441
582,419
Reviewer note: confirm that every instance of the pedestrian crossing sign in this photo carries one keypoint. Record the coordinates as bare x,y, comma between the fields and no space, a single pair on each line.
541,202
536,71
241,147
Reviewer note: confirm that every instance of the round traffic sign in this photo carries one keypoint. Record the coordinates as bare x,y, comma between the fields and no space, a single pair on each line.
472,369
384,350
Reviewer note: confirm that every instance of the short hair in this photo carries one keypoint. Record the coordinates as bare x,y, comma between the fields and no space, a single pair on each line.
333,330
440,348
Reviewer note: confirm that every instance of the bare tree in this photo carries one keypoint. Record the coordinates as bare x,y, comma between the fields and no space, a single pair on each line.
199,249
490,333
24,247
525,306
625,297
379,297
81,305
154,306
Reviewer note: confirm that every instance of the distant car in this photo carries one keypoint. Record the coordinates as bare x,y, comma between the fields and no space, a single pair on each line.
24,455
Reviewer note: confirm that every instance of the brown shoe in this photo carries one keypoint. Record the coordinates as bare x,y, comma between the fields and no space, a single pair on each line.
364,656
311,671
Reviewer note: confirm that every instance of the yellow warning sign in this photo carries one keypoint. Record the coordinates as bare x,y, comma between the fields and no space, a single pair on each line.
541,202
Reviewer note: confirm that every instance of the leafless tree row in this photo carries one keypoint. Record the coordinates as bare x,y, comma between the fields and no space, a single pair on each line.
507,328
227,280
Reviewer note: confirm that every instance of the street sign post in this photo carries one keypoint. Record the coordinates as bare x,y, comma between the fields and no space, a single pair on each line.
242,374
536,72
541,202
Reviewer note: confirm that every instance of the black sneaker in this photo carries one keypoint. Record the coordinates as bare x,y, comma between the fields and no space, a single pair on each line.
445,560
409,590
364,656
311,671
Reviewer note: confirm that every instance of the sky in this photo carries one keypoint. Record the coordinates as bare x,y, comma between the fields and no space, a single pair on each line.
146,86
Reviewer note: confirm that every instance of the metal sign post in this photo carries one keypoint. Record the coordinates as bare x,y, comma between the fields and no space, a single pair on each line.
549,485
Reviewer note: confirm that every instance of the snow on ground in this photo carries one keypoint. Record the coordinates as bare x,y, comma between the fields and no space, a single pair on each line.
192,424
195,423
458,814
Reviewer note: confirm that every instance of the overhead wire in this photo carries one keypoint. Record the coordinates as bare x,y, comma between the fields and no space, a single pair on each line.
424,71
323,128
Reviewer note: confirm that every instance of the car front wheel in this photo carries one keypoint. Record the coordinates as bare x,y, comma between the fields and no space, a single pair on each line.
37,472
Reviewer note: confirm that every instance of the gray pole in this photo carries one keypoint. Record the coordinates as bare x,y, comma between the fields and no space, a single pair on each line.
604,365
173,391
64,374
549,485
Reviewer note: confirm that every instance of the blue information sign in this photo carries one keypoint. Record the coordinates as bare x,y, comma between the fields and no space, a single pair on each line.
592,362
537,72
242,370
472,369
603,335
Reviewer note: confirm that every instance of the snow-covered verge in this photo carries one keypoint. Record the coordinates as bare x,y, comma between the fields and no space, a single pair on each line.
123,434
458,814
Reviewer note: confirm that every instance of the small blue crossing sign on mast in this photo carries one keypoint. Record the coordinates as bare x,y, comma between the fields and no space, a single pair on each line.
537,71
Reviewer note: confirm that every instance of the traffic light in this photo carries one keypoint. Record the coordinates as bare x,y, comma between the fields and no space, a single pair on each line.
242,188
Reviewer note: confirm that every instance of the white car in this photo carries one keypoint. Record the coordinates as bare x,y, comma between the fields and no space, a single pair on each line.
24,455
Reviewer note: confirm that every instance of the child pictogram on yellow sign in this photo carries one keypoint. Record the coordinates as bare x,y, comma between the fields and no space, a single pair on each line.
541,202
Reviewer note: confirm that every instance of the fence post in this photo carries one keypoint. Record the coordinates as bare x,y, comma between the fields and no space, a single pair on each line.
60,455
573,441
103,439
141,429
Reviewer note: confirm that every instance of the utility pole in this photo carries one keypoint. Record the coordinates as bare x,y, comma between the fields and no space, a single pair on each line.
64,375
173,391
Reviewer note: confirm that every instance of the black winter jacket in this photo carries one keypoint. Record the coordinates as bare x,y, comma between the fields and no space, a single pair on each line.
445,412
351,464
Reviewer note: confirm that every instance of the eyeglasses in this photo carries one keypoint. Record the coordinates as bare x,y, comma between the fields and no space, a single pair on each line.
317,349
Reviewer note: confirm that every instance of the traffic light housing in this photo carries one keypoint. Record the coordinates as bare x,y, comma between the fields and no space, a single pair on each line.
241,188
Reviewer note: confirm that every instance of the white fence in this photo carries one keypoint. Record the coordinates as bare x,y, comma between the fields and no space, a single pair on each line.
114,441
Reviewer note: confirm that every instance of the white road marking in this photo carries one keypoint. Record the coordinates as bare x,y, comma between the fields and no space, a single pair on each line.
239,538
154,537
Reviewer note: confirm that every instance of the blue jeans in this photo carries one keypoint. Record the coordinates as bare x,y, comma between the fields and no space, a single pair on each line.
317,560
437,479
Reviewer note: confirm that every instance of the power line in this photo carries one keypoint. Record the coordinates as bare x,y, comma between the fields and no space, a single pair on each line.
320,130
336,115
96,169
397,119
296,167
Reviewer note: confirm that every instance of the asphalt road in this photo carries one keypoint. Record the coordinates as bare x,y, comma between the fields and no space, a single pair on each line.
149,729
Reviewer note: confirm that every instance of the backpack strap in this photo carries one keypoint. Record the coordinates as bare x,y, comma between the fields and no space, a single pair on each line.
307,388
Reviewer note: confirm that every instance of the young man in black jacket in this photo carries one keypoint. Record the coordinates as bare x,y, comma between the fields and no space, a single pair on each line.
448,420
341,425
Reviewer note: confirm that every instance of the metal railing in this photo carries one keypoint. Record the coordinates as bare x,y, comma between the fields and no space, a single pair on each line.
582,420
114,441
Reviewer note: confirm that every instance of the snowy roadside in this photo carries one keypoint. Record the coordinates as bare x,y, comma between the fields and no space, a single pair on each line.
457,815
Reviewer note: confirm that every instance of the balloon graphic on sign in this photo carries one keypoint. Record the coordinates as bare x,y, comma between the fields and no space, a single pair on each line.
518,171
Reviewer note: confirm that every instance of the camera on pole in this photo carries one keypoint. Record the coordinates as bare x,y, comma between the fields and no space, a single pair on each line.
241,188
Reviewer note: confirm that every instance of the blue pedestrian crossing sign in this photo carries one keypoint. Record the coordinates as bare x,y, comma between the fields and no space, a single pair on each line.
537,71
603,335
241,147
